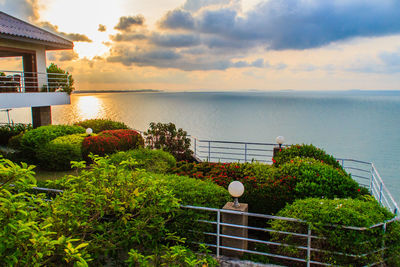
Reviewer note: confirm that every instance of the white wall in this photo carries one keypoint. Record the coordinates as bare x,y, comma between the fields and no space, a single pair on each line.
20,100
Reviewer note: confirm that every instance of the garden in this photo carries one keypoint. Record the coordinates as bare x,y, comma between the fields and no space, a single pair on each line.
123,191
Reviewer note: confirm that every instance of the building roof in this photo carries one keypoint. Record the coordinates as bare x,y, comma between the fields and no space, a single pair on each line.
15,29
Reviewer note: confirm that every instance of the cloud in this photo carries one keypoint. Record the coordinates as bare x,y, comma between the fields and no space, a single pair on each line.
175,40
195,5
76,37
102,28
68,55
125,37
177,19
22,9
125,23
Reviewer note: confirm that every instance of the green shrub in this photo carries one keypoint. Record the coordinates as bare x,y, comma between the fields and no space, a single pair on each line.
108,215
57,154
156,161
10,130
165,136
15,141
33,140
317,179
99,125
325,217
304,151
111,141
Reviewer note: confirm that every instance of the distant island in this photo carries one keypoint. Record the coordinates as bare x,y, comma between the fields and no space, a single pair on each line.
117,91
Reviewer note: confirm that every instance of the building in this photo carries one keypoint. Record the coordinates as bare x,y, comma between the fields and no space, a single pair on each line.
30,87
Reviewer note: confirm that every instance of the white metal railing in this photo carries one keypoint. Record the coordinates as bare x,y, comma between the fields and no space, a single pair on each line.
365,173
21,82
307,251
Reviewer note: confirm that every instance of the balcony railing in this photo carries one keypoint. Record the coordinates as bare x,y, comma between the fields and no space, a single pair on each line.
21,82
365,173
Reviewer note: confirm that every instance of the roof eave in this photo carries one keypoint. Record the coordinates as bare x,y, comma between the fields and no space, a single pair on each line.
48,45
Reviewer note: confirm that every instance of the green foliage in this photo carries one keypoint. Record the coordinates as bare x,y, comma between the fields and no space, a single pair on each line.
9,130
99,125
304,151
110,141
33,140
15,141
59,79
57,154
325,217
156,161
317,179
165,136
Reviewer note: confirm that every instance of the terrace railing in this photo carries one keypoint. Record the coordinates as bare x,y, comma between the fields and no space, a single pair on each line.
21,82
311,246
365,173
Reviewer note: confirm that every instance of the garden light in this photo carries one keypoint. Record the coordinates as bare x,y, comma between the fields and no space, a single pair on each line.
280,140
236,189
89,131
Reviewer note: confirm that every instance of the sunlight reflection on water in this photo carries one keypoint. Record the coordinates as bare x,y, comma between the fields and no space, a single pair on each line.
89,107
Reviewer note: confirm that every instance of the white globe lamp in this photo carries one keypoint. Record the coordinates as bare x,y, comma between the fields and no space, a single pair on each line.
89,131
236,189
280,140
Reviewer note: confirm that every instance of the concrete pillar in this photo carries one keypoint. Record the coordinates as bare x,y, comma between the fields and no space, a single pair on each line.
234,231
41,116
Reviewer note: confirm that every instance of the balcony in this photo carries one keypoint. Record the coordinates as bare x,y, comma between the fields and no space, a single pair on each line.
33,89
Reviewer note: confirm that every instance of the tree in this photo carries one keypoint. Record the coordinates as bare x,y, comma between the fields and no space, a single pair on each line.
59,80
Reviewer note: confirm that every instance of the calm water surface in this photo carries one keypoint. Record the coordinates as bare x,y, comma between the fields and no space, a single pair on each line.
360,125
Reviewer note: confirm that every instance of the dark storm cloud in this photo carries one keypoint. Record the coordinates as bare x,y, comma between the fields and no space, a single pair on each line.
125,23
175,40
177,19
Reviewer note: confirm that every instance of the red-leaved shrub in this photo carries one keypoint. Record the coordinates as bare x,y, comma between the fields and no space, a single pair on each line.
108,142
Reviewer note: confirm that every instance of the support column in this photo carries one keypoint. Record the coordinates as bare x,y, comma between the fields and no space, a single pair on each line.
41,116
234,231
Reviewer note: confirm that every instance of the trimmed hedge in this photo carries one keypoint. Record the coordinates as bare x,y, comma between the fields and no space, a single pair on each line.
269,189
156,161
304,151
58,153
33,140
99,125
10,130
321,214
110,141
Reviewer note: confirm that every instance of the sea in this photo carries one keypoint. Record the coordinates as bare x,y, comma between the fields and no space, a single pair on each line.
362,125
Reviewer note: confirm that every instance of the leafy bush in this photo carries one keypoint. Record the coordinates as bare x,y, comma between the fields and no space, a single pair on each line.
58,153
324,216
304,151
15,141
317,179
33,140
110,141
99,125
165,136
157,161
269,189
107,215
10,130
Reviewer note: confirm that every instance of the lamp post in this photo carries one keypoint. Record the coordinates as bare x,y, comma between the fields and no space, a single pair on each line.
89,131
279,140
236,189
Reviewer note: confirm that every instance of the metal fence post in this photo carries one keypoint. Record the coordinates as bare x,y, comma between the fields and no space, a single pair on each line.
372,180
383,241
209,151
380,193
245,152
309,246
195,146
218,230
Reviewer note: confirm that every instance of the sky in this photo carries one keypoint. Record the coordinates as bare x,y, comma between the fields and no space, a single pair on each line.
217,45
